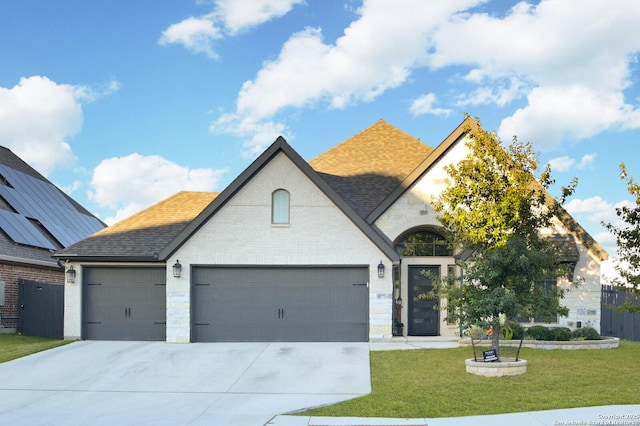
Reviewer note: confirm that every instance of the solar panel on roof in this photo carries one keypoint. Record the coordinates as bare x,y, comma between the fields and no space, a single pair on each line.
20,230
65,236
24,183
36,199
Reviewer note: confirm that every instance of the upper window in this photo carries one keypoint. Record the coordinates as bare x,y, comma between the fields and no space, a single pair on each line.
424,243
280,207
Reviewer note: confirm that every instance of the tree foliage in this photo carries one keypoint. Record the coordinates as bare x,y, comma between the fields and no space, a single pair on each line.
495,207
628,241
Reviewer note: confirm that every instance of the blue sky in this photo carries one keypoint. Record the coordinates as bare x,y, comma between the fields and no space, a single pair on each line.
124,103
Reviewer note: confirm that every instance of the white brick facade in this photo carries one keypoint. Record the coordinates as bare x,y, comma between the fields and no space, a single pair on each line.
241,233
321,234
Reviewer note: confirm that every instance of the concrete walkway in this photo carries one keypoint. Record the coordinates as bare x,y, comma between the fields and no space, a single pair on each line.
607,415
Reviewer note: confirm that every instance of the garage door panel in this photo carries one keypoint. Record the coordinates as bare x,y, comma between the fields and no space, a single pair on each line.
124,304
280,304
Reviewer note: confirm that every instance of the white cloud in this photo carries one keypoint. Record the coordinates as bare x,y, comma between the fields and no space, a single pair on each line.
374,54
39,116
499,93
132,183
567,61
565,163
198,34
561,164
239,15
257,135
195,34
596,209
586,160
571,56
572,111
425,105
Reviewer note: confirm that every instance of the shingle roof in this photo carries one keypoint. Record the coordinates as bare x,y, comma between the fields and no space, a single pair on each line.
145,234
367,167
363,175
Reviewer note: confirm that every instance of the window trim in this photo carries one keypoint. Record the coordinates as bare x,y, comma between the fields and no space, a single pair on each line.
275,207
438,238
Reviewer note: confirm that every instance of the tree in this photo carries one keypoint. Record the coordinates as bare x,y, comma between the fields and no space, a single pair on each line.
495,208
628,240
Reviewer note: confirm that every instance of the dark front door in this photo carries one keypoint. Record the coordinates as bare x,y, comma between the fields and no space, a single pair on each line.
423,317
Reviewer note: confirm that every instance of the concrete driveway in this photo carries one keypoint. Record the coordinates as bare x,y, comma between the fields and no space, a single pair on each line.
155,383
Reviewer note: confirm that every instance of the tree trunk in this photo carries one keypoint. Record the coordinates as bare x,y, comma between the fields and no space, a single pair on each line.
495,339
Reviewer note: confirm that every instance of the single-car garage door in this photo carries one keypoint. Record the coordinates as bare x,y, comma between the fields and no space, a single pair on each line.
286,304
124,303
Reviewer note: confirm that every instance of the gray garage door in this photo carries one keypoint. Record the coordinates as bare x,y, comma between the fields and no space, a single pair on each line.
286,304
124,304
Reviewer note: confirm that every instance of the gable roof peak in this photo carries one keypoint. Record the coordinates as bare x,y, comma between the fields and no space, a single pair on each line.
381,149
365,168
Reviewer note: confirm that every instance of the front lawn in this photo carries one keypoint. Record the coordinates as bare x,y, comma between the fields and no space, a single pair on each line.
14,346
430,383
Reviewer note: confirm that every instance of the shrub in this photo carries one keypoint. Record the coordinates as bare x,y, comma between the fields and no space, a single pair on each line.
512,330
538,332
560,334
586,333
477,333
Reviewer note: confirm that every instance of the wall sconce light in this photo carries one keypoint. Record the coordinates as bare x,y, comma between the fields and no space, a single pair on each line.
177,269
380,270
71,275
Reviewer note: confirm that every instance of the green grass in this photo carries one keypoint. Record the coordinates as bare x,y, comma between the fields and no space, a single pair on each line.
14,346
433,383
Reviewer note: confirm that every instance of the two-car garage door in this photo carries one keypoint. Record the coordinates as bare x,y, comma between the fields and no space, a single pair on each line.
257,304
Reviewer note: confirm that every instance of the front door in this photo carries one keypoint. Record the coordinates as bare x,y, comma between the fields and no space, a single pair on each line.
423,315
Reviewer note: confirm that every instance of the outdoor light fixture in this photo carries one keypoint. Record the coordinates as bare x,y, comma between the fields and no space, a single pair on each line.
399,301
380,270
177,269
71,275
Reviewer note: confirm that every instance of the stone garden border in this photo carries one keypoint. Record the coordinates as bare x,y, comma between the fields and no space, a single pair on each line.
604,343
505,367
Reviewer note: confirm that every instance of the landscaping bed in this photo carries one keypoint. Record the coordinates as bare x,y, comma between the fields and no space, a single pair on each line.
604,343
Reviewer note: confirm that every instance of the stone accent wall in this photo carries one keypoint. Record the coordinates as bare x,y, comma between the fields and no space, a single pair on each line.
11,274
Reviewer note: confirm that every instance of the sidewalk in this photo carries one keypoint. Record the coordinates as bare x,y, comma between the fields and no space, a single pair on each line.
604,415
607,415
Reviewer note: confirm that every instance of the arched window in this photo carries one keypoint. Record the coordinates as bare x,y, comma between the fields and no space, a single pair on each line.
424,243
280,207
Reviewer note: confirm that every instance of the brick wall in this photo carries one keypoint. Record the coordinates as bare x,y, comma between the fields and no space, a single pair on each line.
11,274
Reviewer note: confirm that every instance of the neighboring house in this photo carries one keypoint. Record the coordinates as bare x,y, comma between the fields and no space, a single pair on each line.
294,251
36,219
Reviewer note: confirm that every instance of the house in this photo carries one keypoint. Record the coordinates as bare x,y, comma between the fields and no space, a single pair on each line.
36,219
325,250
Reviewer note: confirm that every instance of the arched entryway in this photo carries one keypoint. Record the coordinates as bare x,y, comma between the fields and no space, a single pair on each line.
425,254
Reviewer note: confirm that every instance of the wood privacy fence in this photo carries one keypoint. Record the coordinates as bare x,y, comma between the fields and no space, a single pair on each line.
624,325
41,309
